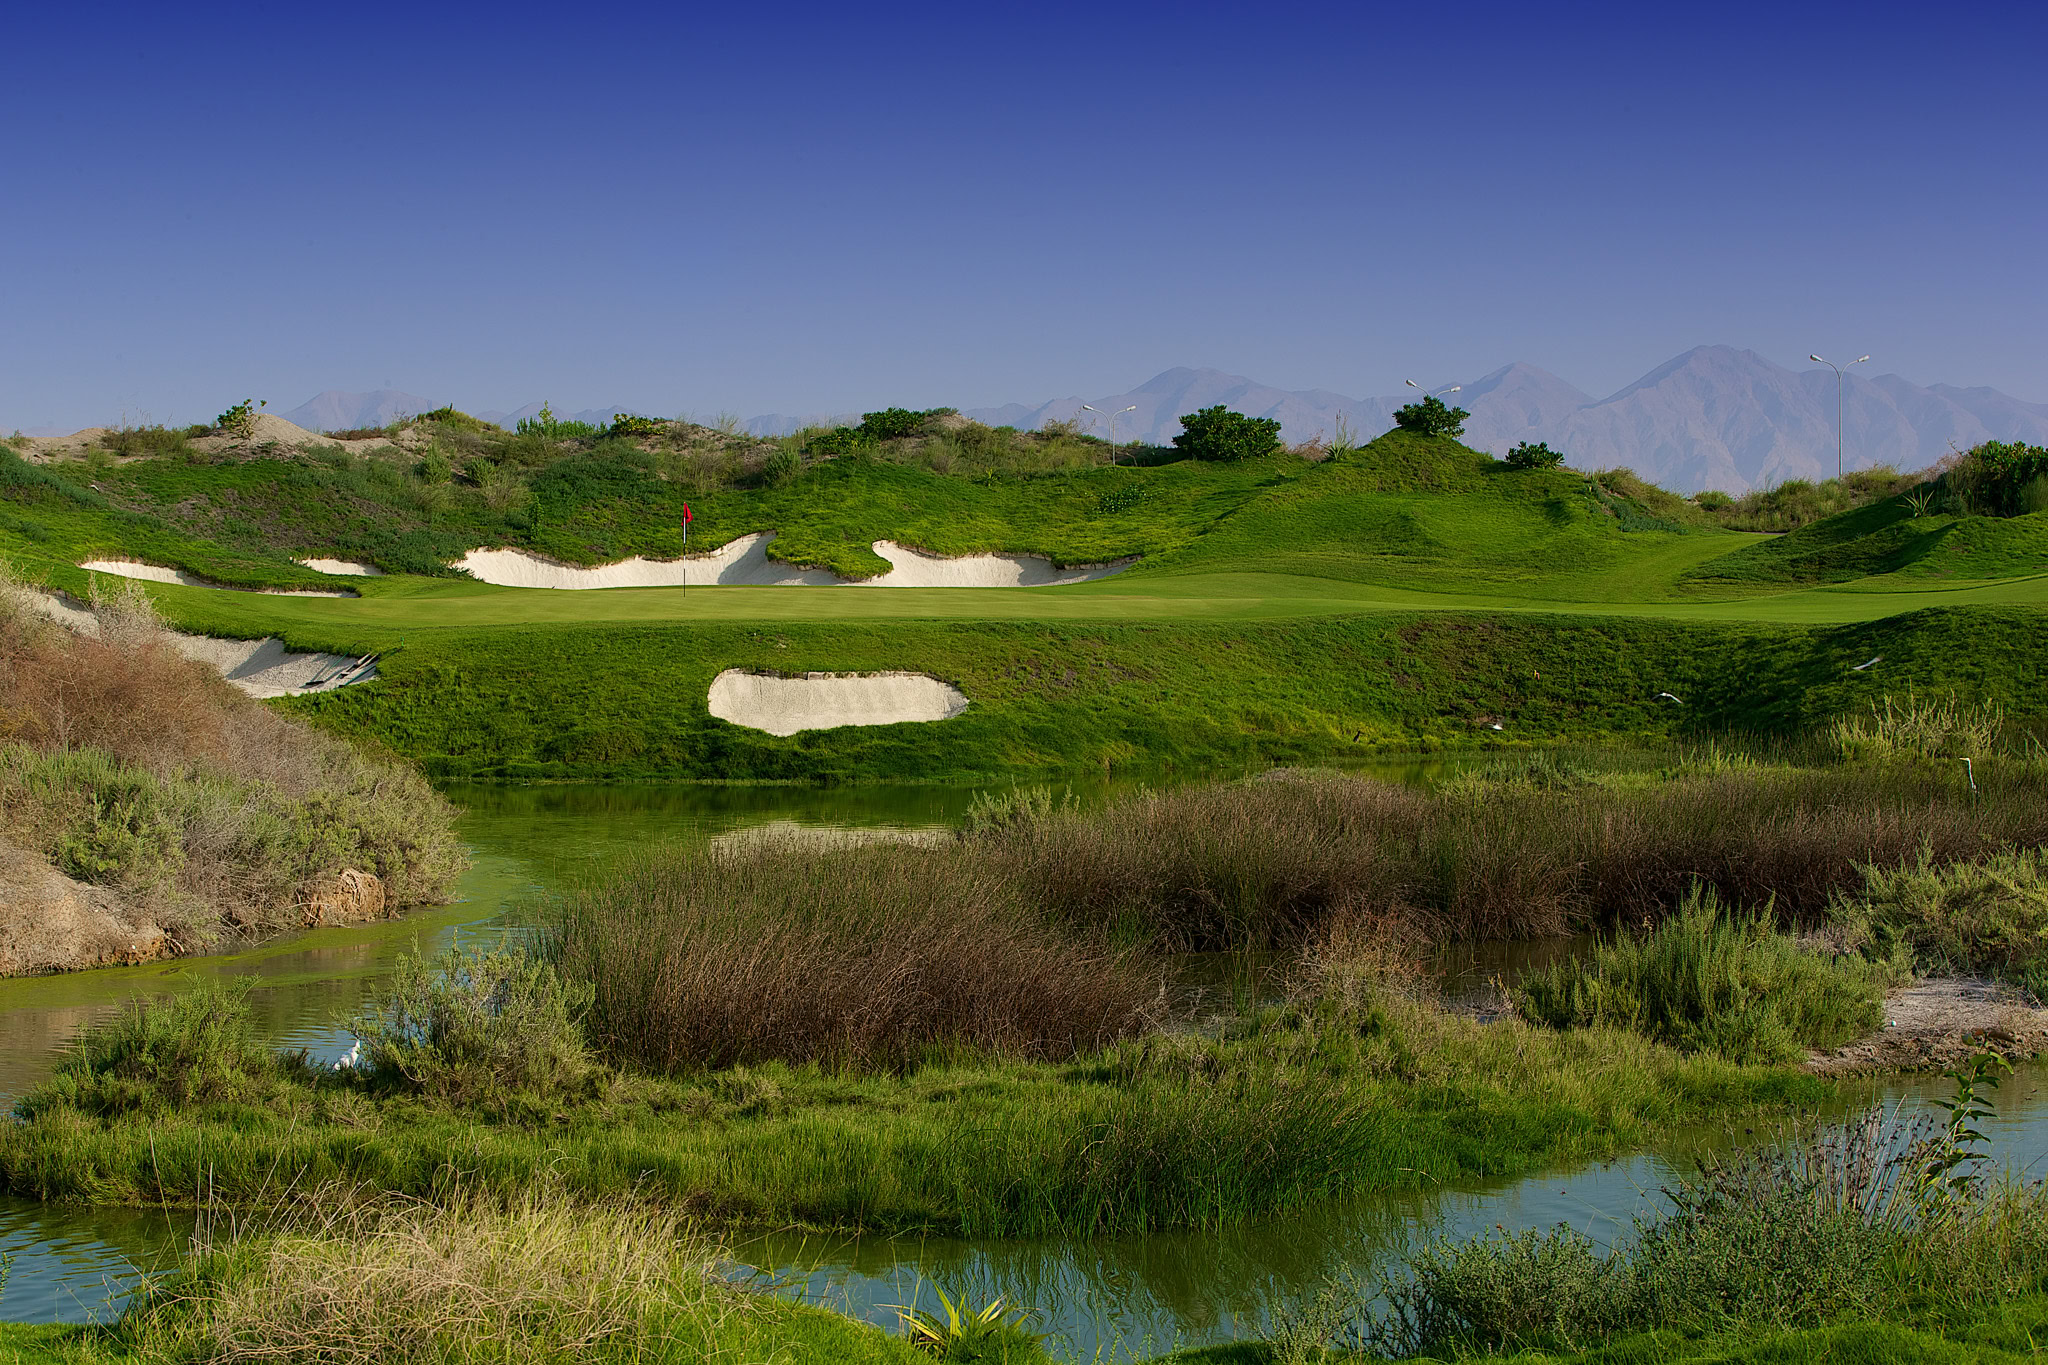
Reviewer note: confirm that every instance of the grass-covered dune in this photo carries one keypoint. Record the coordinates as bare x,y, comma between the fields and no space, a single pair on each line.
1293,606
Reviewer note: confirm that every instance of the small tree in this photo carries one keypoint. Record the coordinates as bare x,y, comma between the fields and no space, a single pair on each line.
1219,434
1537,456
1431,417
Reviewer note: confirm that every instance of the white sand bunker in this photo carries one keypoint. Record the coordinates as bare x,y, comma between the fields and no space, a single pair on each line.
825,701
157,573
742,563
910,568
343,568
261,668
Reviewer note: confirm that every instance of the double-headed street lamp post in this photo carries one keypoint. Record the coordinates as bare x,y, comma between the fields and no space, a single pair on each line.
1838,406
1112,416
1432,393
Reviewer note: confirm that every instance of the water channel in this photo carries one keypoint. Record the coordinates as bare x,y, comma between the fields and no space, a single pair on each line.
1120,1295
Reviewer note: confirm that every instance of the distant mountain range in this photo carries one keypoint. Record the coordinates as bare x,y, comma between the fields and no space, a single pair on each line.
1715,417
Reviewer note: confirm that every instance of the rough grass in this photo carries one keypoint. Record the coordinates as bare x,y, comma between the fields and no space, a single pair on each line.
1290,1107
1710,980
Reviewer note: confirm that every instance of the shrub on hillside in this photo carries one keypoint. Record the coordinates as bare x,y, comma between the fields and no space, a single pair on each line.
1431,417
626,424
130,766
1998,478
1536,456
893,424
1219,434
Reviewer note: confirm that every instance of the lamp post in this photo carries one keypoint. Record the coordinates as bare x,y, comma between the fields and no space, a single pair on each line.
1112,416
1432,393
1838,406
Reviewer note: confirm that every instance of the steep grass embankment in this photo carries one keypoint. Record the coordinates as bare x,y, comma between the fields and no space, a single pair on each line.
604,701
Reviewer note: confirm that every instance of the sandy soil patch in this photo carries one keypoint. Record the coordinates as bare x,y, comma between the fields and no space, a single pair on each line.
825,701
264,430
50,923
157,573
1937,1023
261,668
916,569
741,563
343,568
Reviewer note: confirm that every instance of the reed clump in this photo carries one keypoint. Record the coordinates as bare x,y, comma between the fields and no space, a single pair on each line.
1270,863
869,957
377,1278
1988,916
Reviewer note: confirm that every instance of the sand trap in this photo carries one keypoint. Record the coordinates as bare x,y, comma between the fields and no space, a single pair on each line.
343,568
915,569
825,701
742,563
745,563
261,668
157,573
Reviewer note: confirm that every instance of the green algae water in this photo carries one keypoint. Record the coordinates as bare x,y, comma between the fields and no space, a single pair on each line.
1118,1295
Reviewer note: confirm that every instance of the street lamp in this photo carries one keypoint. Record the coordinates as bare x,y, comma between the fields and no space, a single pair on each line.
1838,407
1112,416
1431,393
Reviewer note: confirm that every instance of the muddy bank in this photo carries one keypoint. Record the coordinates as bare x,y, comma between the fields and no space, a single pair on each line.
1938,1023
53,923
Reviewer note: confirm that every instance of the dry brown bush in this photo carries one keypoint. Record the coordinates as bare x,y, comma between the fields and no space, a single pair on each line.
866,957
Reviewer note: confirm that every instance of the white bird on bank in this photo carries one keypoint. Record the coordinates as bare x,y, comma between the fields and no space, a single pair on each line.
353,1058
1868,663
1666,696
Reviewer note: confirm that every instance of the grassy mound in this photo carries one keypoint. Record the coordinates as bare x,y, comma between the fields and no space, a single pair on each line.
128,767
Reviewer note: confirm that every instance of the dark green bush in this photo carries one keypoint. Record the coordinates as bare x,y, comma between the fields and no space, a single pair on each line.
1431,417
891,424
626,424
460,421
468,1024
1536,456
836,441
156,1056
1219,434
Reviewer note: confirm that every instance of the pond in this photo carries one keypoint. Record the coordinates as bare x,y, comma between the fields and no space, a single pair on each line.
1119,1294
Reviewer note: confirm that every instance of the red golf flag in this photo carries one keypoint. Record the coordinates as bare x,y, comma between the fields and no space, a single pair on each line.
687,517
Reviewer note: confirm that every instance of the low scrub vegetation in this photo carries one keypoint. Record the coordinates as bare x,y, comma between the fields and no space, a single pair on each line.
1988,916
1708,980
129,767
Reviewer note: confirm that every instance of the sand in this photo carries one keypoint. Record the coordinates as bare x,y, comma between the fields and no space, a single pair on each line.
916,569
1941,1022
745,563
264,430
741,563
261,668
825,701
343,568
157,573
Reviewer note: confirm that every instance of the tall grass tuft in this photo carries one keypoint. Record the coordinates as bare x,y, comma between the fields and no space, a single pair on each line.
160,1056
860,957
1710,980
380,1279
1921,727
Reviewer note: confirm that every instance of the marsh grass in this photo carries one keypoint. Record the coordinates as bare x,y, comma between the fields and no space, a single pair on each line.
1881,1217
1987,916
864,957
1922,727
1710,979
1271,863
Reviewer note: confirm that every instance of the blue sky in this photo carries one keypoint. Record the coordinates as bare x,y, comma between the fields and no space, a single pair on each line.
806,208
